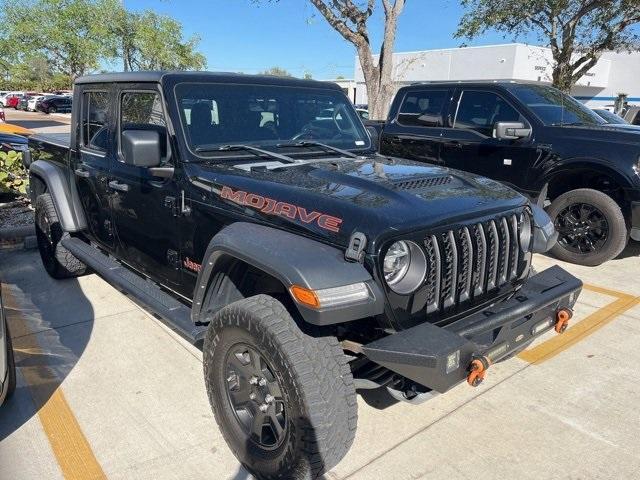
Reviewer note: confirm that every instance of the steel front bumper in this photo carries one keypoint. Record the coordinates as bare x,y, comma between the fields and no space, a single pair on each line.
441,357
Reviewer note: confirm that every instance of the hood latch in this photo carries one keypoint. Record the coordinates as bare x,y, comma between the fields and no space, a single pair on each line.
355,250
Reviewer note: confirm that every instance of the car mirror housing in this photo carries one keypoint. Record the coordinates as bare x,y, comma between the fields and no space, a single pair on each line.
511,130
141,148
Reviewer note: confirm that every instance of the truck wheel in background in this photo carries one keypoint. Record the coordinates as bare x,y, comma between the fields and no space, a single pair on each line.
57,260
284,401
591,227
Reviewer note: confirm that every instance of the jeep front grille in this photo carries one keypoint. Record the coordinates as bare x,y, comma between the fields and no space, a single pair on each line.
470,262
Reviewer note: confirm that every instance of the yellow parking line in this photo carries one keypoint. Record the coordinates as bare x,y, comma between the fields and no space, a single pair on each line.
584,328
70,447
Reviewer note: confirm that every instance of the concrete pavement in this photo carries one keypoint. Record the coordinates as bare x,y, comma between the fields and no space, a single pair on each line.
107,391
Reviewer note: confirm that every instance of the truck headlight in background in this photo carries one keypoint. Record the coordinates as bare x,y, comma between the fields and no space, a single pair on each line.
404,267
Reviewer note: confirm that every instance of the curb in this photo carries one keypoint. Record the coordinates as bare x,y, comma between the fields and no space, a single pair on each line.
18,238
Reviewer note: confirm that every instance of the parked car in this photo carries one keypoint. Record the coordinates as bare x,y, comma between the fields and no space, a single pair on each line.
308,264
7,362
363,113
57,104
12,100
4,98
3,118
537,140
632,115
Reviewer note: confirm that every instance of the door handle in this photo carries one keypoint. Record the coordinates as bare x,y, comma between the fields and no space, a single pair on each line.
454,144
82,173
395,139
121,187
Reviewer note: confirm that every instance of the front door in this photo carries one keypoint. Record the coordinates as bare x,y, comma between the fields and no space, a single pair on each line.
416,133
469,143
144,207
92,157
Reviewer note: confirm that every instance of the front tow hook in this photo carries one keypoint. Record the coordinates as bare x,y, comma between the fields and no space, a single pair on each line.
478,370
562,319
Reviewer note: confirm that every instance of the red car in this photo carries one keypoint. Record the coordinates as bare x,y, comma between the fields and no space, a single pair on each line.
12,101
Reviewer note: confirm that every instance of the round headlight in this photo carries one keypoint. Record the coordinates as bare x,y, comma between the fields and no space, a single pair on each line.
525,232
405,267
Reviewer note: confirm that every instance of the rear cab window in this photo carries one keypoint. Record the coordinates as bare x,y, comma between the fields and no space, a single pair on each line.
423,108
96,111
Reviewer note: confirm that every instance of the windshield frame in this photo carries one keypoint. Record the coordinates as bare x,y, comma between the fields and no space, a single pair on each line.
222,155
513,90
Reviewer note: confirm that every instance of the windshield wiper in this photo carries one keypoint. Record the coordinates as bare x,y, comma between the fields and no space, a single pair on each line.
247,148
328,148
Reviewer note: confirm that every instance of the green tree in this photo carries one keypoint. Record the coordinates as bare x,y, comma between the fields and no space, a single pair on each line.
148,41
577,31
276,71
70,33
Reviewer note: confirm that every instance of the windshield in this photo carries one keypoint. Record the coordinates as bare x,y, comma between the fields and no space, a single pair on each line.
217,115
553,107
611,117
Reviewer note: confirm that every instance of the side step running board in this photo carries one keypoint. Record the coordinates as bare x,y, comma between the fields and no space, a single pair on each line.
175,314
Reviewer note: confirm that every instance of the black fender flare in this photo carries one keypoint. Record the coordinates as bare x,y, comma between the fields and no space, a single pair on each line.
293,260
64,194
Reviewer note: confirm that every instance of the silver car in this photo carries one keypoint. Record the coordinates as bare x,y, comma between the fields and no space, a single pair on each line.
7,365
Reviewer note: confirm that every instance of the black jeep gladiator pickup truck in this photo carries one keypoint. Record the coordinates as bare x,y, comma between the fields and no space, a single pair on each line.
539,141
252,213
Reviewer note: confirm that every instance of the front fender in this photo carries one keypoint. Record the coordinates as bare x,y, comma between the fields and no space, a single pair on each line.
293,260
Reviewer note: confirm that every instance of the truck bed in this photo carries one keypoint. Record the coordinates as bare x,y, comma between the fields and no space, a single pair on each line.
62,140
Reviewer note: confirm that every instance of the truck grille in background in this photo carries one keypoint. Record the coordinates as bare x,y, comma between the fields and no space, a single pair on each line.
470,262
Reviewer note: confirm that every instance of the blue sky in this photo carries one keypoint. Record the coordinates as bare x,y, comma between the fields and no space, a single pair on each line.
236,35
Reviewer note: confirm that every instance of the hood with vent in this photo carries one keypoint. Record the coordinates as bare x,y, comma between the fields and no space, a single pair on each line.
377,195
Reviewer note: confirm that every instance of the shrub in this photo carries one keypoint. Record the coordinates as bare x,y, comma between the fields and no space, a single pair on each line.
14,178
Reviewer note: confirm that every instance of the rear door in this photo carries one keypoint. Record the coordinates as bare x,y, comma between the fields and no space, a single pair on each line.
92,158
416,132
143,206
469,141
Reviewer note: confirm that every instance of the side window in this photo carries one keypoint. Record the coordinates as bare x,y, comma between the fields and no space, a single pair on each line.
143,111
479,111
423,108
95,120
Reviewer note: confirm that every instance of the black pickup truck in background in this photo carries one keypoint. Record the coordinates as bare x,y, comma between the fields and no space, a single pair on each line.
538,141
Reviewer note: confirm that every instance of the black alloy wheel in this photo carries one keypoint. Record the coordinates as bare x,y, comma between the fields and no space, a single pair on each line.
582,228
255,396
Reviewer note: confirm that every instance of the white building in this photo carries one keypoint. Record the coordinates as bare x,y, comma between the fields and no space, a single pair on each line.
615,73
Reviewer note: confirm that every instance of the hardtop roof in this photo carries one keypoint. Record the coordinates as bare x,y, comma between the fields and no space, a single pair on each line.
218,77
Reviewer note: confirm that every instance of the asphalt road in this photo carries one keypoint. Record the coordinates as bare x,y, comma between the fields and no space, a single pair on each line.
105,390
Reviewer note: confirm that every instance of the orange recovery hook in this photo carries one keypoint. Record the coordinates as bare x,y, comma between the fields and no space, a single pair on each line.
477,370
562,319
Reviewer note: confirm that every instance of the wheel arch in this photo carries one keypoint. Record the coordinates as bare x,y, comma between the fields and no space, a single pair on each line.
48,178
587,173
279,259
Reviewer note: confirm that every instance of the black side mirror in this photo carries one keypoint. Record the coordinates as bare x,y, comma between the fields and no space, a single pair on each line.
141,148
511,130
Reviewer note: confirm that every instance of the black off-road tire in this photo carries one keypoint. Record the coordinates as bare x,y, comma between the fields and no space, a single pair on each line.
316,382
617,236
57,260
11,364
